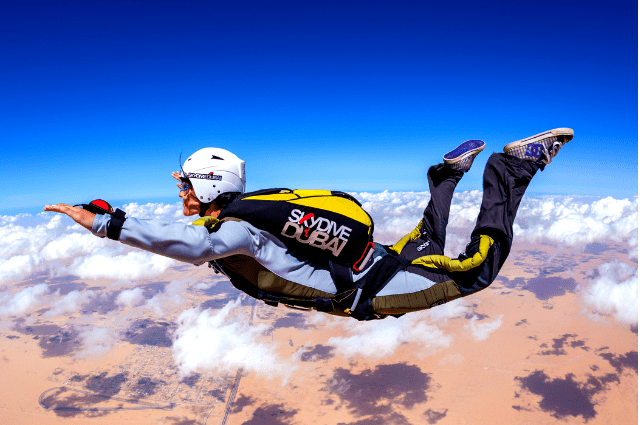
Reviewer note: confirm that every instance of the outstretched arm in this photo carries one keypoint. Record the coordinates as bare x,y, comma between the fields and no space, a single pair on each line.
182,242
78,214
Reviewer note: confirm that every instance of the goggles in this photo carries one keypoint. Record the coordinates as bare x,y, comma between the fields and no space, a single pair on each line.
186,184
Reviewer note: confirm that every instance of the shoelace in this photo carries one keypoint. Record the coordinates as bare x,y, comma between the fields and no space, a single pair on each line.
547,156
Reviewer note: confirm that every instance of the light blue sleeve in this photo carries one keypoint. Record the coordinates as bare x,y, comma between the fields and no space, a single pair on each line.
182,242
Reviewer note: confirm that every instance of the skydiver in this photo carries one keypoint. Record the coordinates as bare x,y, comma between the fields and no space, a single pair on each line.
258,263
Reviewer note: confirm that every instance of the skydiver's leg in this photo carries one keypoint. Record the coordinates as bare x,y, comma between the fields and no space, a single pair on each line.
443,179
506,178
442,183
505,181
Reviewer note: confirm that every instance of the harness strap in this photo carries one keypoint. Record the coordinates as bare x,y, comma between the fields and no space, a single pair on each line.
359,303
341,276
388,266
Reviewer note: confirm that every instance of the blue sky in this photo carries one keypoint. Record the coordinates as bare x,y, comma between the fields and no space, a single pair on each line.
100,98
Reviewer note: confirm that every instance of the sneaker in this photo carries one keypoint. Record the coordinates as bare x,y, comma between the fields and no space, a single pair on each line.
542,147
462,157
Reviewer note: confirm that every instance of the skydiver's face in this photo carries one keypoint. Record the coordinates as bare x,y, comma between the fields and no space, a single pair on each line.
190,203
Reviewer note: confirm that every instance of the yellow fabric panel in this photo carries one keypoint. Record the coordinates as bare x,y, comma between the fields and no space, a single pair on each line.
207,222
312,192
415,234
442,262
287,196
338,205
312,198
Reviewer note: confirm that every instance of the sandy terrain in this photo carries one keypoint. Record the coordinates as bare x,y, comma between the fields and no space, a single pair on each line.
524,351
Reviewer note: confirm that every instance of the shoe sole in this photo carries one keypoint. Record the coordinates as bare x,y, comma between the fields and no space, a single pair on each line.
567,133
464,150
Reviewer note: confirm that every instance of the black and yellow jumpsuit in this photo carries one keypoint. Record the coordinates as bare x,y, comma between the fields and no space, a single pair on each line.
409,276
504,183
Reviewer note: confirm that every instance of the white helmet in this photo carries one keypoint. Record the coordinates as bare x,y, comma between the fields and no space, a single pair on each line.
213,172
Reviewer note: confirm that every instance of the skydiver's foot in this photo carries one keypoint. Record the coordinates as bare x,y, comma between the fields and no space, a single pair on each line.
462,157
541,148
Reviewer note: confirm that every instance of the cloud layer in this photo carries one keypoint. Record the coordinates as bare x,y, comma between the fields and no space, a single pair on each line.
54,244
561,219
224,341
379,339
614,292
24,301
70,303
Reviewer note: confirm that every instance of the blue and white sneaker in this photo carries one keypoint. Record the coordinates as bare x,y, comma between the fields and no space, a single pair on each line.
462,157
542,147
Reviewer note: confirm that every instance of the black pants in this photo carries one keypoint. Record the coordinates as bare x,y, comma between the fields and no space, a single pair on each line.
504,183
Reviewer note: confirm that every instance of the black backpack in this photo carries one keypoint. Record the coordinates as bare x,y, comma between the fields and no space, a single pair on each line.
323,222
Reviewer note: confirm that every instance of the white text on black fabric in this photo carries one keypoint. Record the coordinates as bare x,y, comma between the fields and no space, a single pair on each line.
322,230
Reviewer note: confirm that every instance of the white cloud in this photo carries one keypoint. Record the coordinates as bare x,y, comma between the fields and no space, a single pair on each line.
123,282
223,342
23,302
20,240
154,210
132,265
633,246
203,286
70,246
481,330
28,250
96,342
130,298
19,266
394,213
170,296
451,310
70,303
571,222
381,338
614,292
6,219
53,243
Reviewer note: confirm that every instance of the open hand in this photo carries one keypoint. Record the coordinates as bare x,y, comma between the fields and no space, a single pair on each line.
176,176
78,214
